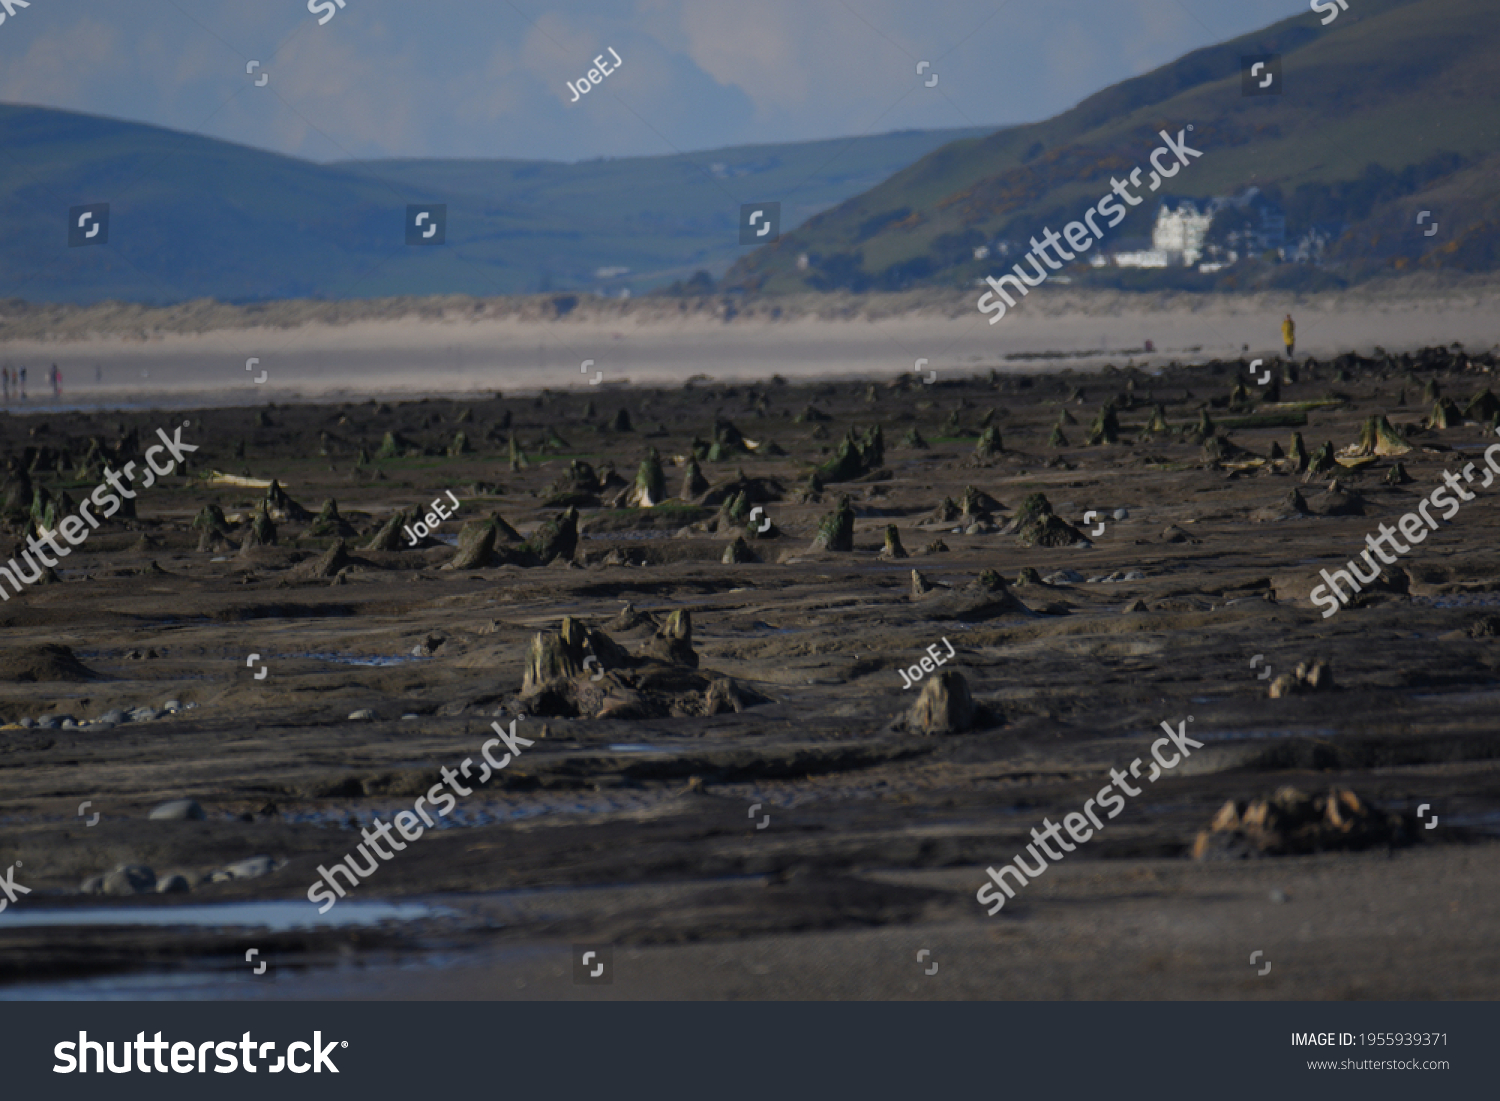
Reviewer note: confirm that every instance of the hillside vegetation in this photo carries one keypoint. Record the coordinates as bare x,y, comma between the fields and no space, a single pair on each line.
1391,109
194,217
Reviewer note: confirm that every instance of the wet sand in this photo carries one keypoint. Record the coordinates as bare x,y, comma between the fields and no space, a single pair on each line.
632,822
187,357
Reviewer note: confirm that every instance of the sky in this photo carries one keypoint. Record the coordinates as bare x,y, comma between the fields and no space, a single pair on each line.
489,78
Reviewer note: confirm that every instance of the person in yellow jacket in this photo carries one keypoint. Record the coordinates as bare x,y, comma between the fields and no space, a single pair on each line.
1289,335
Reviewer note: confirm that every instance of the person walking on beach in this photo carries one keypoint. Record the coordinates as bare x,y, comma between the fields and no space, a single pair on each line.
23,383
5,378
56,381
1289,335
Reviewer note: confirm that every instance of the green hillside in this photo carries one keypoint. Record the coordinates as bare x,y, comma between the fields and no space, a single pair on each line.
1391,108
193,217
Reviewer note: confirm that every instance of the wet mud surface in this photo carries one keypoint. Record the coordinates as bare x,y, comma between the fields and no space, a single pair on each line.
728,780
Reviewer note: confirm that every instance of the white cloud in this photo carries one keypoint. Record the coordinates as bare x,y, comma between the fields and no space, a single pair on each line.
477,78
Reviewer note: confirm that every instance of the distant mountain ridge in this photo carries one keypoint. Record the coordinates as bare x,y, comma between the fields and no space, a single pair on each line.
194,217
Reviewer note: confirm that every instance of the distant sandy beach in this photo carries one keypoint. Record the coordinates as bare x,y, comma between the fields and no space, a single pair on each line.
197,354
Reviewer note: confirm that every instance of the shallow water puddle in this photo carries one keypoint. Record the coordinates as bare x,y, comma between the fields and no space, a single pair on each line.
1487,822
496,812
1483,695
1459,600
376,660
277,915
1247,735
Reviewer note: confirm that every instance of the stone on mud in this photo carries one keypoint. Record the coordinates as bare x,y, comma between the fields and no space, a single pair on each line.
650,487
674,642
1292,822
738,553
1036,525
330,524
725,695
893,548
1317,677
330,562
836,530
944,706
391,535
694,484
178,810
556,538
476,546
129,879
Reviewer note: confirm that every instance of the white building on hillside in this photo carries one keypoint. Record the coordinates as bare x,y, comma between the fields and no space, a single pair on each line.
1180,232
1142,258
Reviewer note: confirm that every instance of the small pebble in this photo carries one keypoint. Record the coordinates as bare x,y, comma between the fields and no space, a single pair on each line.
409,716
130,879
178,810
364,714
253,868
28,723
1122,514
115,717
173,885
1063,577
172,705
1278,895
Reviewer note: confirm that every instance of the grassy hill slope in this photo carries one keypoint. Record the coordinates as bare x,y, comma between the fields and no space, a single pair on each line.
192,217
1396,84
